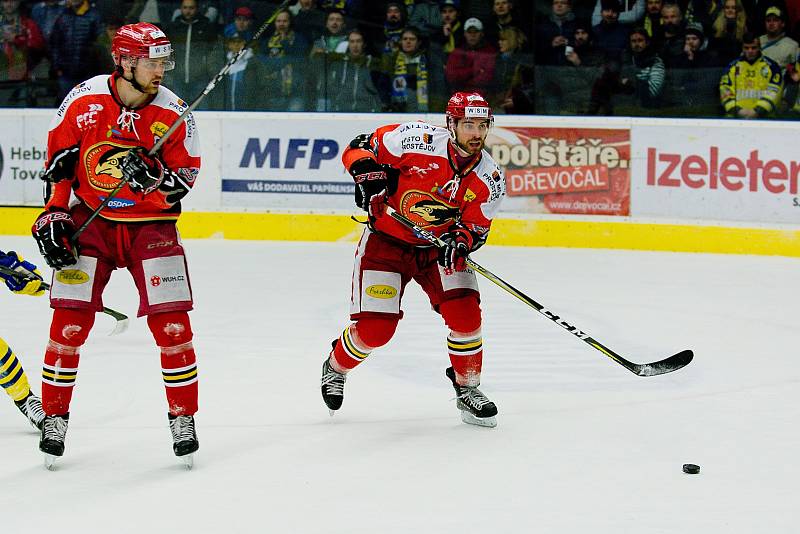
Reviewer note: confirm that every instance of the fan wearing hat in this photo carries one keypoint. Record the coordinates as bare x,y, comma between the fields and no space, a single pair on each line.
451,32
470,67
610,35
584,53
775,44
696,54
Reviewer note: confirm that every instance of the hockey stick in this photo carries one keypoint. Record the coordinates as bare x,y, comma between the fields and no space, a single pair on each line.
121,318
175,125
667,365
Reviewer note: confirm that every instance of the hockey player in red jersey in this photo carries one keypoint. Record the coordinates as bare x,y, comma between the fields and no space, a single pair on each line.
442,180
100,135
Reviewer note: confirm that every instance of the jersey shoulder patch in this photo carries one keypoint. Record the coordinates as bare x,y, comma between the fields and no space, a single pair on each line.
93,86
490,173
168,100
416,137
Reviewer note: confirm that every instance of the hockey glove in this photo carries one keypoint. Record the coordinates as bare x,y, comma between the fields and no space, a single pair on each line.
374,184
457,244
52,232
27,281
143,173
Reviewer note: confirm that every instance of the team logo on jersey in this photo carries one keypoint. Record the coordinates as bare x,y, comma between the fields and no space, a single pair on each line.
425,210
427,138
469,196
102,164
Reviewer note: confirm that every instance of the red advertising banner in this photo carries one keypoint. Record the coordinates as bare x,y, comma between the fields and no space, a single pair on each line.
582,171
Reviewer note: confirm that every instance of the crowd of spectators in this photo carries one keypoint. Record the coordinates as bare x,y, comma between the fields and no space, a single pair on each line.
634,57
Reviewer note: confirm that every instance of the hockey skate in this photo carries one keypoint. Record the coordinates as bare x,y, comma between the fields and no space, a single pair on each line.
332,386
31,407
475,408
184,438
54,432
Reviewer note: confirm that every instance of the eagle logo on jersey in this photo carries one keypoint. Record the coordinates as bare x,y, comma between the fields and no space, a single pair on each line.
102,164
425,210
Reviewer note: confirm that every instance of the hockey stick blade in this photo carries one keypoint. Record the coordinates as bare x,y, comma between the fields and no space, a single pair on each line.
122,320
673,363
667,365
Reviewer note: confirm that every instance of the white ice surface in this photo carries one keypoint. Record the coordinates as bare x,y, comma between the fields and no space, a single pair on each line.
582,445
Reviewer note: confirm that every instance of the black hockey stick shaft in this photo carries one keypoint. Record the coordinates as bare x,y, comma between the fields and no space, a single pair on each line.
175,125
23,278
667,365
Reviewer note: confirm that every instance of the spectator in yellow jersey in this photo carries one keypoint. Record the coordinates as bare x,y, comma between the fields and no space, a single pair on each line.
752,84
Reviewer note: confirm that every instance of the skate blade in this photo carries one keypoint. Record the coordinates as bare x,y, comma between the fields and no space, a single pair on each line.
188,461
470,419
50,462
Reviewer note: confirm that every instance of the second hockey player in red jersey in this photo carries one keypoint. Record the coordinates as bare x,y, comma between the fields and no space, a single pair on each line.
100,136
442,180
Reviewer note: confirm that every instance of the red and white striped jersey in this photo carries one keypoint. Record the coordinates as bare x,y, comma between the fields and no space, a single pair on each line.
93,118
431,192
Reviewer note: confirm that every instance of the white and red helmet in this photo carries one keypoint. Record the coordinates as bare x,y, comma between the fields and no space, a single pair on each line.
141,41
468,106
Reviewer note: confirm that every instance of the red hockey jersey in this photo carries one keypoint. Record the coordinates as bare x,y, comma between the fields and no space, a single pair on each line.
93,118
431,192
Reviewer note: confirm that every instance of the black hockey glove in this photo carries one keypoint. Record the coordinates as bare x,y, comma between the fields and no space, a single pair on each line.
143,173
52,231
374,183
457,245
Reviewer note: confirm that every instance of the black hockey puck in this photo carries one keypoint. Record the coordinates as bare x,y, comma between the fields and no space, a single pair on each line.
691,469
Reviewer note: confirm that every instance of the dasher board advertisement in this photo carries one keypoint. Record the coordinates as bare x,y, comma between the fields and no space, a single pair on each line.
564,170
23,149
717,172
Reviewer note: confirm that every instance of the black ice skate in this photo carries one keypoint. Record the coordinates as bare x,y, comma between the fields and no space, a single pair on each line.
184,438
475,408
31,407
332,385
54,432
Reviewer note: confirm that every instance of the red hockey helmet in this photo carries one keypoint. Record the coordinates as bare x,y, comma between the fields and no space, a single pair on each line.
468,106
141,41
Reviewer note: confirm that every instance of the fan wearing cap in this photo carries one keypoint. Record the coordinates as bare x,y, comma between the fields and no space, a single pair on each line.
775,44
696,54
470,67
99,138
444,181
451,32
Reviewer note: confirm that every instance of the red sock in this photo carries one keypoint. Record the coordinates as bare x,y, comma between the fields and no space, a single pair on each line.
173,334
464,344
359,339
68,331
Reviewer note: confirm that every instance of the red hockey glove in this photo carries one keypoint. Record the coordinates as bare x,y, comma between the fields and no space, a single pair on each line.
457,245
52,231
143,173
374,184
